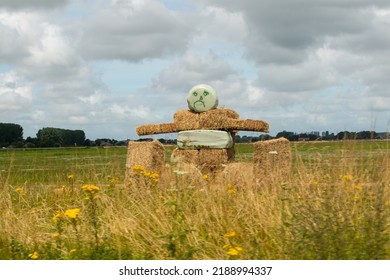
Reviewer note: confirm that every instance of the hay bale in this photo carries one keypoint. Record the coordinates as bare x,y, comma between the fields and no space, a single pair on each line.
217,119
202,98
213,157
150,155
185,156
248,125
186,120
149,129
237,174
272,158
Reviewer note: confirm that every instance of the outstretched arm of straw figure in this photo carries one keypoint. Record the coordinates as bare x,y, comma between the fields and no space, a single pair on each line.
248,125
228,125
149,129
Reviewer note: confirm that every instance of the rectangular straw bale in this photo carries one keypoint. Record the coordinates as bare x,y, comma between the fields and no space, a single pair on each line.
149,129
216,118
150,155
168,128
248,125
185,156
186,120
213,157
238,174
272,157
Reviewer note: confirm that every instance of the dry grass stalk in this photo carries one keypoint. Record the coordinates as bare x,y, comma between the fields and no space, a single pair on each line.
272,157
237,175
148,154
149,129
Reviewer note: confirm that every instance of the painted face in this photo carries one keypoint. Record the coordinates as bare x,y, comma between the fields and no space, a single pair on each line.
202,98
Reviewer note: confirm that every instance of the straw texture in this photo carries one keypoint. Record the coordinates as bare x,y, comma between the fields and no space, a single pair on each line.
186,120
217,119
248,125
186,156
149,129
148,154
272,157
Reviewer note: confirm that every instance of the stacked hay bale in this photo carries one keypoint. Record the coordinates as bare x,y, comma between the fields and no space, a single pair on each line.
149,155
272,157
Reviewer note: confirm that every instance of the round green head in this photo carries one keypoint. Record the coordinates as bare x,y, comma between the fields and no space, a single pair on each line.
202,98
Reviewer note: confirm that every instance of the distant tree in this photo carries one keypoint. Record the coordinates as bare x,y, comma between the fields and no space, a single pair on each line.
10,133
31,142
87,143
288,135
366,135
55,137
49,137
265,137
72,137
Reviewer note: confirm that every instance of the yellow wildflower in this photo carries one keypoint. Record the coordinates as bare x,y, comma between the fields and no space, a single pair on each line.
113,180
232,191
56,235
33,256
70,177
138,168
72,213
58,216
20,191
227,246
205,177
347,178
230,234
359,187
234,251
72,251
90,189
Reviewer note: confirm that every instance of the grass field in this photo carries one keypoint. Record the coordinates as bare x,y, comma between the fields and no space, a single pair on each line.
71,203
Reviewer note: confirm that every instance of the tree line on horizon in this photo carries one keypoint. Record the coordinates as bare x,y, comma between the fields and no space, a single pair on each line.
11,135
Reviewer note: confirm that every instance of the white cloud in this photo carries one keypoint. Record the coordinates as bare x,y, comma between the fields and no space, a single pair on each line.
31,4
134,30
15,93
297,64
191,69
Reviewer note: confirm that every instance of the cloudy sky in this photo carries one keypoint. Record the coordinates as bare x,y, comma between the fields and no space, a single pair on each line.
108,66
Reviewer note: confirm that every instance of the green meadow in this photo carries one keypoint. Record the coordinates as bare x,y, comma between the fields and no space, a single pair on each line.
72,203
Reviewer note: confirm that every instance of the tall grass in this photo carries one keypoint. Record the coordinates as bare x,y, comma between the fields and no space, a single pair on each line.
334,205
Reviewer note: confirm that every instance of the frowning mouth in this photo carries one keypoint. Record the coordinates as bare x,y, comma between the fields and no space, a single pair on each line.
200,101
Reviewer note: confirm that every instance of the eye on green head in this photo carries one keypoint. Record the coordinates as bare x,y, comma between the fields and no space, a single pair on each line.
195,93
205,93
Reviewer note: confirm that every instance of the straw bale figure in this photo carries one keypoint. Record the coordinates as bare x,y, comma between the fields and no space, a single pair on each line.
206,138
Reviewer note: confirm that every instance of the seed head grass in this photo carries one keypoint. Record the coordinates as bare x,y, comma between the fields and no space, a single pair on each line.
333,205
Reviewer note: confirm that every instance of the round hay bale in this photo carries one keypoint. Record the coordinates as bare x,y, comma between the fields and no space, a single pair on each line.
202,98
